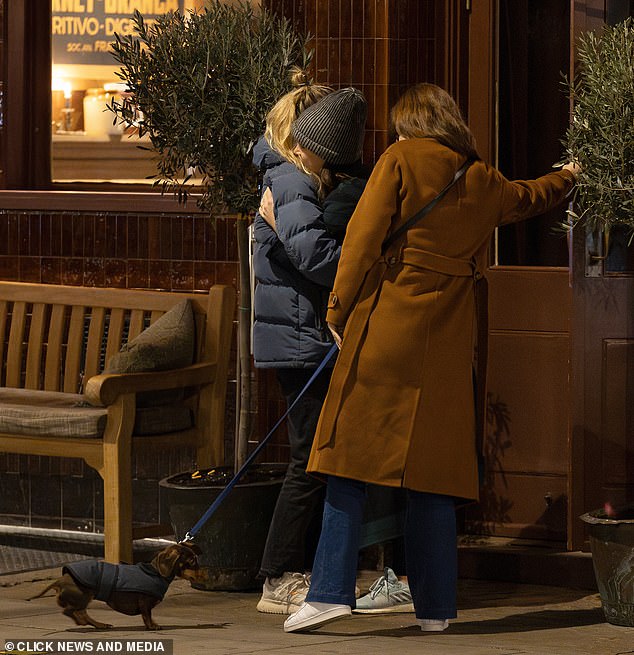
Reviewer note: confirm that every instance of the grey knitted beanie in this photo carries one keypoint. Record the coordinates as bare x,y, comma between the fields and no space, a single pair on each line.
333,127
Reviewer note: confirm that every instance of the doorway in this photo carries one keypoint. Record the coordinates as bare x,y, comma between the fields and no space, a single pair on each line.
525,487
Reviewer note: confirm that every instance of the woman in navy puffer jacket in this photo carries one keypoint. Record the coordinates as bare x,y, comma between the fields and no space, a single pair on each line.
294,269
295,259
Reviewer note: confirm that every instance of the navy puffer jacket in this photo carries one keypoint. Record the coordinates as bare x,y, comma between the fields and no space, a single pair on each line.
294,269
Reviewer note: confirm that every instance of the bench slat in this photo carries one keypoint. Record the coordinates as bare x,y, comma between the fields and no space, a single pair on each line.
74,350
97,297
35,347
115,333
52,366
16,347
3,328
137,323
95,344
155,316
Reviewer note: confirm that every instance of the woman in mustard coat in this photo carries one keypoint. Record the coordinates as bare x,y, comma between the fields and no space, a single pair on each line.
400,406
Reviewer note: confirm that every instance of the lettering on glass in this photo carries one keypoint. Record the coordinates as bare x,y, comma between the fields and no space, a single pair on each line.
82,30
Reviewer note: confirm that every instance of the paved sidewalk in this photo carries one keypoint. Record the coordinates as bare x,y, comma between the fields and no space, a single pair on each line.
495,618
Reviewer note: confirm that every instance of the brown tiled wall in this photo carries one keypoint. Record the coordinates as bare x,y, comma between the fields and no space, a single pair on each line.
171,252
379,46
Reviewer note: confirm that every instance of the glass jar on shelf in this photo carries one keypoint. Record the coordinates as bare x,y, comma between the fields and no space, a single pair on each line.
99,121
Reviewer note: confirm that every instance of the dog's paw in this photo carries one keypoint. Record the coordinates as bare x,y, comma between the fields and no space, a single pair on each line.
102,626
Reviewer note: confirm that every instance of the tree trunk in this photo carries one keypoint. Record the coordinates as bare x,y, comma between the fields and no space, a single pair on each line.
243,392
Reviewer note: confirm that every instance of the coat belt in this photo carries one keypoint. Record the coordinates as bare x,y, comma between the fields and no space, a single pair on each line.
366,301
433,262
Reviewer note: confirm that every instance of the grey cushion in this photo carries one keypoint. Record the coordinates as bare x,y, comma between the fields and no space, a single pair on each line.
167,344
42,413
56,414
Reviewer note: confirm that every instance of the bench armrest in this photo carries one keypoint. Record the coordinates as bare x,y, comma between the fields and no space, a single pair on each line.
104,389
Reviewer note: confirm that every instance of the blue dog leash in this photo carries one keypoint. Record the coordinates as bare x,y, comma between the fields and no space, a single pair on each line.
225,492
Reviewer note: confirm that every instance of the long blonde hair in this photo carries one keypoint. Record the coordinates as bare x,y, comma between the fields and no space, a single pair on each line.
426,110
280,118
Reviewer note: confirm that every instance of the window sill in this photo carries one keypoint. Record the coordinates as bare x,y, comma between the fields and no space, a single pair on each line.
73,200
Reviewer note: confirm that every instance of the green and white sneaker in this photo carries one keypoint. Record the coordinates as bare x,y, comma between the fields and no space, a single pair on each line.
387,594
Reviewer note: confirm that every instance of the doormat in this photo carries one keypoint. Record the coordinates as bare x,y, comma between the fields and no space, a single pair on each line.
15,559
32,549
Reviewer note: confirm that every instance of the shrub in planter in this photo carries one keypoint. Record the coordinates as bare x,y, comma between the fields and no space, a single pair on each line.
601,135
199,87
601,139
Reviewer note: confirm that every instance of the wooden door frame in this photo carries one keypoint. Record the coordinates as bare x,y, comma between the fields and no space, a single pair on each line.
482,103
482,78
28,98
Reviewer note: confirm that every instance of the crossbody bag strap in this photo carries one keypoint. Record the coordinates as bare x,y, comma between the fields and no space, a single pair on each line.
390,239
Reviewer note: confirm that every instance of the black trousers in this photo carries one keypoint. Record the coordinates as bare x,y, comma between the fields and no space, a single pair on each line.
294,529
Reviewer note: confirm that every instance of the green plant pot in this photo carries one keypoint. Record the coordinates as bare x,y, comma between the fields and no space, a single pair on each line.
233,538
612,545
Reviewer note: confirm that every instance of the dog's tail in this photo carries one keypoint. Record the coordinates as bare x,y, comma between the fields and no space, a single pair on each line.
53,585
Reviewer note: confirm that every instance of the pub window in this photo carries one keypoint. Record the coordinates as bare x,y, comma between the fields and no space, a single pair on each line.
534,50
85,144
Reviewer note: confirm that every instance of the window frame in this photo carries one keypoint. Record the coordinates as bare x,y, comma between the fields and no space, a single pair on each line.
25,144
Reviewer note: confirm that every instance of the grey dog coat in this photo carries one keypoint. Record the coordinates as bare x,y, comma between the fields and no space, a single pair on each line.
104,578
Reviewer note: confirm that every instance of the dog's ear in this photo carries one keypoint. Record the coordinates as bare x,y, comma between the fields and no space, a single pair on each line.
193,547
166,561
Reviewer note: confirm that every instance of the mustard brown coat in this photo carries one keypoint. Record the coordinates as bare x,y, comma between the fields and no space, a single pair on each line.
400,407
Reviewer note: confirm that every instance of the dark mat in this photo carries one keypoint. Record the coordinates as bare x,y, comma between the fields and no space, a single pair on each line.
31,550
19,560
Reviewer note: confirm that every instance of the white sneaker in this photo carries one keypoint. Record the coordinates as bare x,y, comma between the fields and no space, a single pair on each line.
313,615
433,625
284,595
386,594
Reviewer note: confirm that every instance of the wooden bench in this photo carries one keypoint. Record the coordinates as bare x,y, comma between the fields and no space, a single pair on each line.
57,340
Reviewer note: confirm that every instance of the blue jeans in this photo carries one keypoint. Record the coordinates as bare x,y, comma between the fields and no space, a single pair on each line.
430,547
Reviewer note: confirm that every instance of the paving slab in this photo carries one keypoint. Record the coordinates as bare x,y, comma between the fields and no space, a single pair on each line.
495,618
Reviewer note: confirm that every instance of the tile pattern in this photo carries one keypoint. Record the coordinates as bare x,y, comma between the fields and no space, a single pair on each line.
170,252
378,46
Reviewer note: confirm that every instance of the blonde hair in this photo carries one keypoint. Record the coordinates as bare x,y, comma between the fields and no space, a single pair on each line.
426,110
280,118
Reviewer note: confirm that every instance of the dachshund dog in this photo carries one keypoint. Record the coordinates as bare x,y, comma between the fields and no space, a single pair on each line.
126,588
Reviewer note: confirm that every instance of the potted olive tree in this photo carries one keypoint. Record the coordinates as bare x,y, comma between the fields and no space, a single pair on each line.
601,139
601,135
199,87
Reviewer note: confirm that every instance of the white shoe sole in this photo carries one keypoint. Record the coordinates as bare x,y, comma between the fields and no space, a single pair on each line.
435,626
276,607
403,607
318,620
